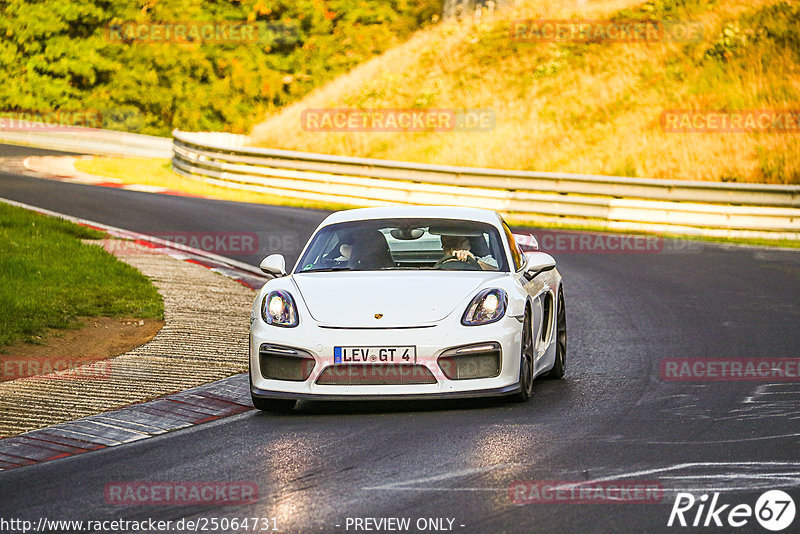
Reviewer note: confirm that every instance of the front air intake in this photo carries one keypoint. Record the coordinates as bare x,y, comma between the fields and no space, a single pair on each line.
481,360
285,363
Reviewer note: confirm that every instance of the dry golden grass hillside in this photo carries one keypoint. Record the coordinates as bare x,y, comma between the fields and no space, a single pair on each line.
585,107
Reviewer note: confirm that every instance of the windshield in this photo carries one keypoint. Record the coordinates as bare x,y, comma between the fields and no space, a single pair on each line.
405,244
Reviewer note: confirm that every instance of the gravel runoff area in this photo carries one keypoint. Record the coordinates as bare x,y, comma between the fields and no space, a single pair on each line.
205,338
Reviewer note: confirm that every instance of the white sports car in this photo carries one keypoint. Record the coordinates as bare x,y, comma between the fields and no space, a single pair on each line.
407,302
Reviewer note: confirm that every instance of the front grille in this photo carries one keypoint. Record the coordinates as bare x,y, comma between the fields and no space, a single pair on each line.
285,363
384,374
329,327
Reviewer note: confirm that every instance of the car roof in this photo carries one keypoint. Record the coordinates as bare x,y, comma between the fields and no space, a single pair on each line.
422,212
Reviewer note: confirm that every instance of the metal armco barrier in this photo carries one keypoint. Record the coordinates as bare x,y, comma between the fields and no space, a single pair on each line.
91,141
674,206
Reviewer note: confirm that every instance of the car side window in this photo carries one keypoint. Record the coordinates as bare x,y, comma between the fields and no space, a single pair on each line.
516,254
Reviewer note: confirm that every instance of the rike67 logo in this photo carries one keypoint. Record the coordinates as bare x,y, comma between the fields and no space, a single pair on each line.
774,510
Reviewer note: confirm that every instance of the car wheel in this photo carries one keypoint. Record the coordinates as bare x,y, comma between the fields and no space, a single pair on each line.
526,362
274,405
560,364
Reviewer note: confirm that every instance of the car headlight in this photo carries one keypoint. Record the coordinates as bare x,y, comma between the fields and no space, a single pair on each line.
487,307
278,309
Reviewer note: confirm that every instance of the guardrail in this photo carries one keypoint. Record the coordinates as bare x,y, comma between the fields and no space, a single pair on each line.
621,203
675,206
89,141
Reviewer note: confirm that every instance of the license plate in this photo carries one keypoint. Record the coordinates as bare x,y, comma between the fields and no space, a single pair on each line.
375,354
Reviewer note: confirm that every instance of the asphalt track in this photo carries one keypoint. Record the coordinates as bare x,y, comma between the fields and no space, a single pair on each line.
272,228
613,418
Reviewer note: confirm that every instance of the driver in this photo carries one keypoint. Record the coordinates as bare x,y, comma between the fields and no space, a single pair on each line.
459,247
345,250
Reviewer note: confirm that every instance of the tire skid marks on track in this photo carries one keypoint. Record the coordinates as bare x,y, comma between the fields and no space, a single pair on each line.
697,477
776,400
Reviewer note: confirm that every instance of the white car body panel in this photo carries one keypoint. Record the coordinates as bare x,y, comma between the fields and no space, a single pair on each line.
408,298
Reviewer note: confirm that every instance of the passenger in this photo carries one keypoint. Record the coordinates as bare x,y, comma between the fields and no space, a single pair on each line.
370,252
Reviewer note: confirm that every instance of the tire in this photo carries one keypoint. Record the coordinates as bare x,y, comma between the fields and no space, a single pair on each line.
525,362
274,405
560,364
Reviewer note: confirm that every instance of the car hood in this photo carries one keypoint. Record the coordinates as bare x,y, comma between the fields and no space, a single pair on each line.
352,299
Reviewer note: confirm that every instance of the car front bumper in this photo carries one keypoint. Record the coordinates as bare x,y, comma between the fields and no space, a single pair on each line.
430,343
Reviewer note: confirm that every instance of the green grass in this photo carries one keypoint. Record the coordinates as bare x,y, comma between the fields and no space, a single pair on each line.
49,278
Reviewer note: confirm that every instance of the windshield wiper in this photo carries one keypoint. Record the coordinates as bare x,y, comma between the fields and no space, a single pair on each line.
328,270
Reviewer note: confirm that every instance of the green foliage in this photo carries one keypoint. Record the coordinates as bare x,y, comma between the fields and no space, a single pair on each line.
776,24
777,168
61,54
663,9
626,168
48,278
729,42
554,65
672,7
767,32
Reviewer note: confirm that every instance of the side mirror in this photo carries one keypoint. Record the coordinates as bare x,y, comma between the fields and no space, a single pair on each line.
537,263
528,241
274,264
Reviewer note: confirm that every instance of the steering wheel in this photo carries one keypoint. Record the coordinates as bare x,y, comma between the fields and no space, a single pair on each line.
452,263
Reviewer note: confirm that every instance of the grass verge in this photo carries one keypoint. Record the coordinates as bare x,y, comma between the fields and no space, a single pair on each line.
593,107
50,278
